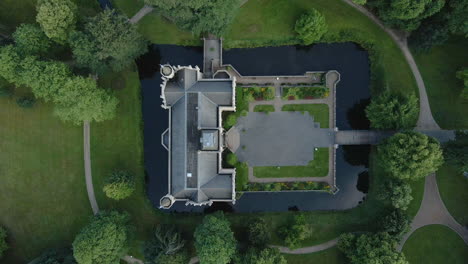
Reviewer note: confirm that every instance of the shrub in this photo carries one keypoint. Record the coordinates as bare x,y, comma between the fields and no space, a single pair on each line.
5,92
120,185
463,75
396,223
167,246
259,235
410,155
3,242
56,256
311,26
296,232
264,256
456,151
230,121
231,159
398,193
26,101
305,92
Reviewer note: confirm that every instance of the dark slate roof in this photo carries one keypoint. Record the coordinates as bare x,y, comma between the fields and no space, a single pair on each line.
194,109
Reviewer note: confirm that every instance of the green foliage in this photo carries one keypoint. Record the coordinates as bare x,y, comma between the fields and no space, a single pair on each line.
119,185
433,31
463,75
264,256
231,159
305,92
393,111
398,193
102,241
230,121
297,231
410,155
371,248
57,18
26,101
360,2
259,233
9,67
56,256
167,246
258,93
457,11
108,42
456,151
199,16
286,186
214,240
396,223
311,26
3,242
81,100
5,91
30,39
406,14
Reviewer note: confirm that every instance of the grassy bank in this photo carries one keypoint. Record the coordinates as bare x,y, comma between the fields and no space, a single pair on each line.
42,191
438,68
264,108
452,187
435,244
318,167
329,256
320,112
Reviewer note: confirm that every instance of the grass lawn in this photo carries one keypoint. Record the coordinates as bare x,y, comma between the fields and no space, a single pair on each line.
318,167
264,108
438,68
330,256
43,193
318,111
452,187
435,244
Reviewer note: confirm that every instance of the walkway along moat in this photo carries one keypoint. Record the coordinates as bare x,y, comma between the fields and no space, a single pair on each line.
346,58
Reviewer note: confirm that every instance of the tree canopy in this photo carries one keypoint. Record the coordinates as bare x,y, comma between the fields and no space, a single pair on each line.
264,256
108,42
456,151
199,16
311,26
296,231
3,242
56,256
214,240
396,223
410,155
102,241
119,185
57,18
259,235
398,192
30,39
393,111
166,246
406,14
371,248
463,75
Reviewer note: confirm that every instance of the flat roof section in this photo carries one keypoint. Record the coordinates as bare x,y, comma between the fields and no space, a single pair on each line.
193,140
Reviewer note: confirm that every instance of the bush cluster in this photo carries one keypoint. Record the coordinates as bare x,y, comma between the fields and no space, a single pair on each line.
305,92
296,231
258,93
286,186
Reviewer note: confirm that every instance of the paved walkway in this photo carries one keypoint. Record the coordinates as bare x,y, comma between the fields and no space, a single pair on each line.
308,250
87,164
140,14
433,211
425,121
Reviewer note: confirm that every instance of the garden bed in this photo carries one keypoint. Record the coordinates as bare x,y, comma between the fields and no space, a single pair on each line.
286,186
258,93
264,108
304,92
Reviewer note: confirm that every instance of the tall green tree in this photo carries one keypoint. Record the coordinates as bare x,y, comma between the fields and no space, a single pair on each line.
296,231
398,192
57,18
396,223
406,14
457,12
456,151
56,256
259,235
81,100
393,111
214,240
10,64
104,240
410,155
3,242
30,39
371,248
199,16
108,42
311,26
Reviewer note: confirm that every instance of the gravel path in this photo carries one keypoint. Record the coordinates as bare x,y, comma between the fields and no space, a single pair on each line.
140,14
87,163
307,250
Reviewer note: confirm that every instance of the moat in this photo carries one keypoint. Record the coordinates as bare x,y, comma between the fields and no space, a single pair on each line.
352,95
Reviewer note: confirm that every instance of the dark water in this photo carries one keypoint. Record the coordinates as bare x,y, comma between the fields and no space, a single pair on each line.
352,97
